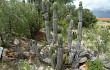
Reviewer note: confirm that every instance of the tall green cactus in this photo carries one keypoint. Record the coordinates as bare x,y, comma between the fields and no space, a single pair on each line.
70,40
45,8
76,58
55,28
60,53
52,55
70,35
79,35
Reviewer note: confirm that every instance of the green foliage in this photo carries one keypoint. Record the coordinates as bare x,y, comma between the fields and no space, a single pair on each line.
61,1
88,18
24,65
95,65
17,17
104,33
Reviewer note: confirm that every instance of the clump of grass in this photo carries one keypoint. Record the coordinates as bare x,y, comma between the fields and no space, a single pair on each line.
95,65
24,65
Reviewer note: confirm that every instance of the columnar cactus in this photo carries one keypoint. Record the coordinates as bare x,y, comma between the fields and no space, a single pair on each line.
60,53
79,35
70,35
76,58
37,51
53,55
23,1
45,8
54,22
70,41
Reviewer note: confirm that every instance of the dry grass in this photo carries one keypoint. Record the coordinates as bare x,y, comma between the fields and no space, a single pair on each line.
101,23
103,19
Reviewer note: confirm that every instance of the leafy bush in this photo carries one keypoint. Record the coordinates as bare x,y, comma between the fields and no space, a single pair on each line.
88,18
18,17
24,65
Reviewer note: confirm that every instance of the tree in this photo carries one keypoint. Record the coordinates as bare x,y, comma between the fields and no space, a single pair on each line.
88,18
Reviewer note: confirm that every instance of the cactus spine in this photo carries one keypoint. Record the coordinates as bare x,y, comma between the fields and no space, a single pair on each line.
45,8
54,22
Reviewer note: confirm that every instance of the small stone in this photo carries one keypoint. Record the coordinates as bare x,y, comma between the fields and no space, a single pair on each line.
16,42
107,66
1,49
84,59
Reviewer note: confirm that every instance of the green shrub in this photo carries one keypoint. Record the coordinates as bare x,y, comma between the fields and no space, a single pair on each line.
95,65
88,18
24,65
18,17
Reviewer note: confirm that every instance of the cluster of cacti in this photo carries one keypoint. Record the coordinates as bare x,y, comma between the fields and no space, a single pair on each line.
57,54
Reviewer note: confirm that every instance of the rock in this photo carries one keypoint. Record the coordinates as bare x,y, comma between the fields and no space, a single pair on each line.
41,68
107,66
44,51
104,58
82,60
93,58
5,58
84,53
16,42
47,60
4,52
1,51
26,53
24,45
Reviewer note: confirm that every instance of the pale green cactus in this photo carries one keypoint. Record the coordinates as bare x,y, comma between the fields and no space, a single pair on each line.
60,53
60,40
80,12
45,8
55,27
70,35
54,60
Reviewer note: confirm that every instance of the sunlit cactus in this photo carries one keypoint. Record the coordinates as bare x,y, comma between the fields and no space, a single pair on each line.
48,6
60,53
79,35
80,12
55,28
70,35
54,60
45,8
80,3
76,57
